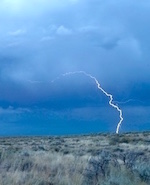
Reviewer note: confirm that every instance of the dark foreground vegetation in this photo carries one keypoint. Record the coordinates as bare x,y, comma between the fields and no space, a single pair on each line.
99,159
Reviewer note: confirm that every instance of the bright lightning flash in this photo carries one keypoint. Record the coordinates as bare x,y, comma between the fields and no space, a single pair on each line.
100,88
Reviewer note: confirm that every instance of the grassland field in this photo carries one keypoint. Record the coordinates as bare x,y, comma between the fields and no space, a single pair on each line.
94,159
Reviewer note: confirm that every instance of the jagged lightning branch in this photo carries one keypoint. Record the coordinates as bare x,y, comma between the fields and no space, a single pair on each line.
100,88
127,101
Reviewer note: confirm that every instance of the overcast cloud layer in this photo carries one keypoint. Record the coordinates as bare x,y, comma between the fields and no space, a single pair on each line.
42,39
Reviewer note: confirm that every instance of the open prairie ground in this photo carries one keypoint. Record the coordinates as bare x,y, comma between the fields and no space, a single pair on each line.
96,159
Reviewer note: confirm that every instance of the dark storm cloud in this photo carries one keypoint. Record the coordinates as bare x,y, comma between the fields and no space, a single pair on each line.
42,39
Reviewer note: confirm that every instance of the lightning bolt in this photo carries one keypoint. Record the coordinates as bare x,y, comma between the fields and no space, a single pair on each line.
100,88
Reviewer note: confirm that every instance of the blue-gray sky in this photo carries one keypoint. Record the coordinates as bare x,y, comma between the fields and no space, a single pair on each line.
42,39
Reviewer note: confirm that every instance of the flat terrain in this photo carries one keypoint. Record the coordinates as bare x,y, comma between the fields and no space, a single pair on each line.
98,159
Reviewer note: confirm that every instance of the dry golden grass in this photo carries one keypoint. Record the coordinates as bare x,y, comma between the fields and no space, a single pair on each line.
98,159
